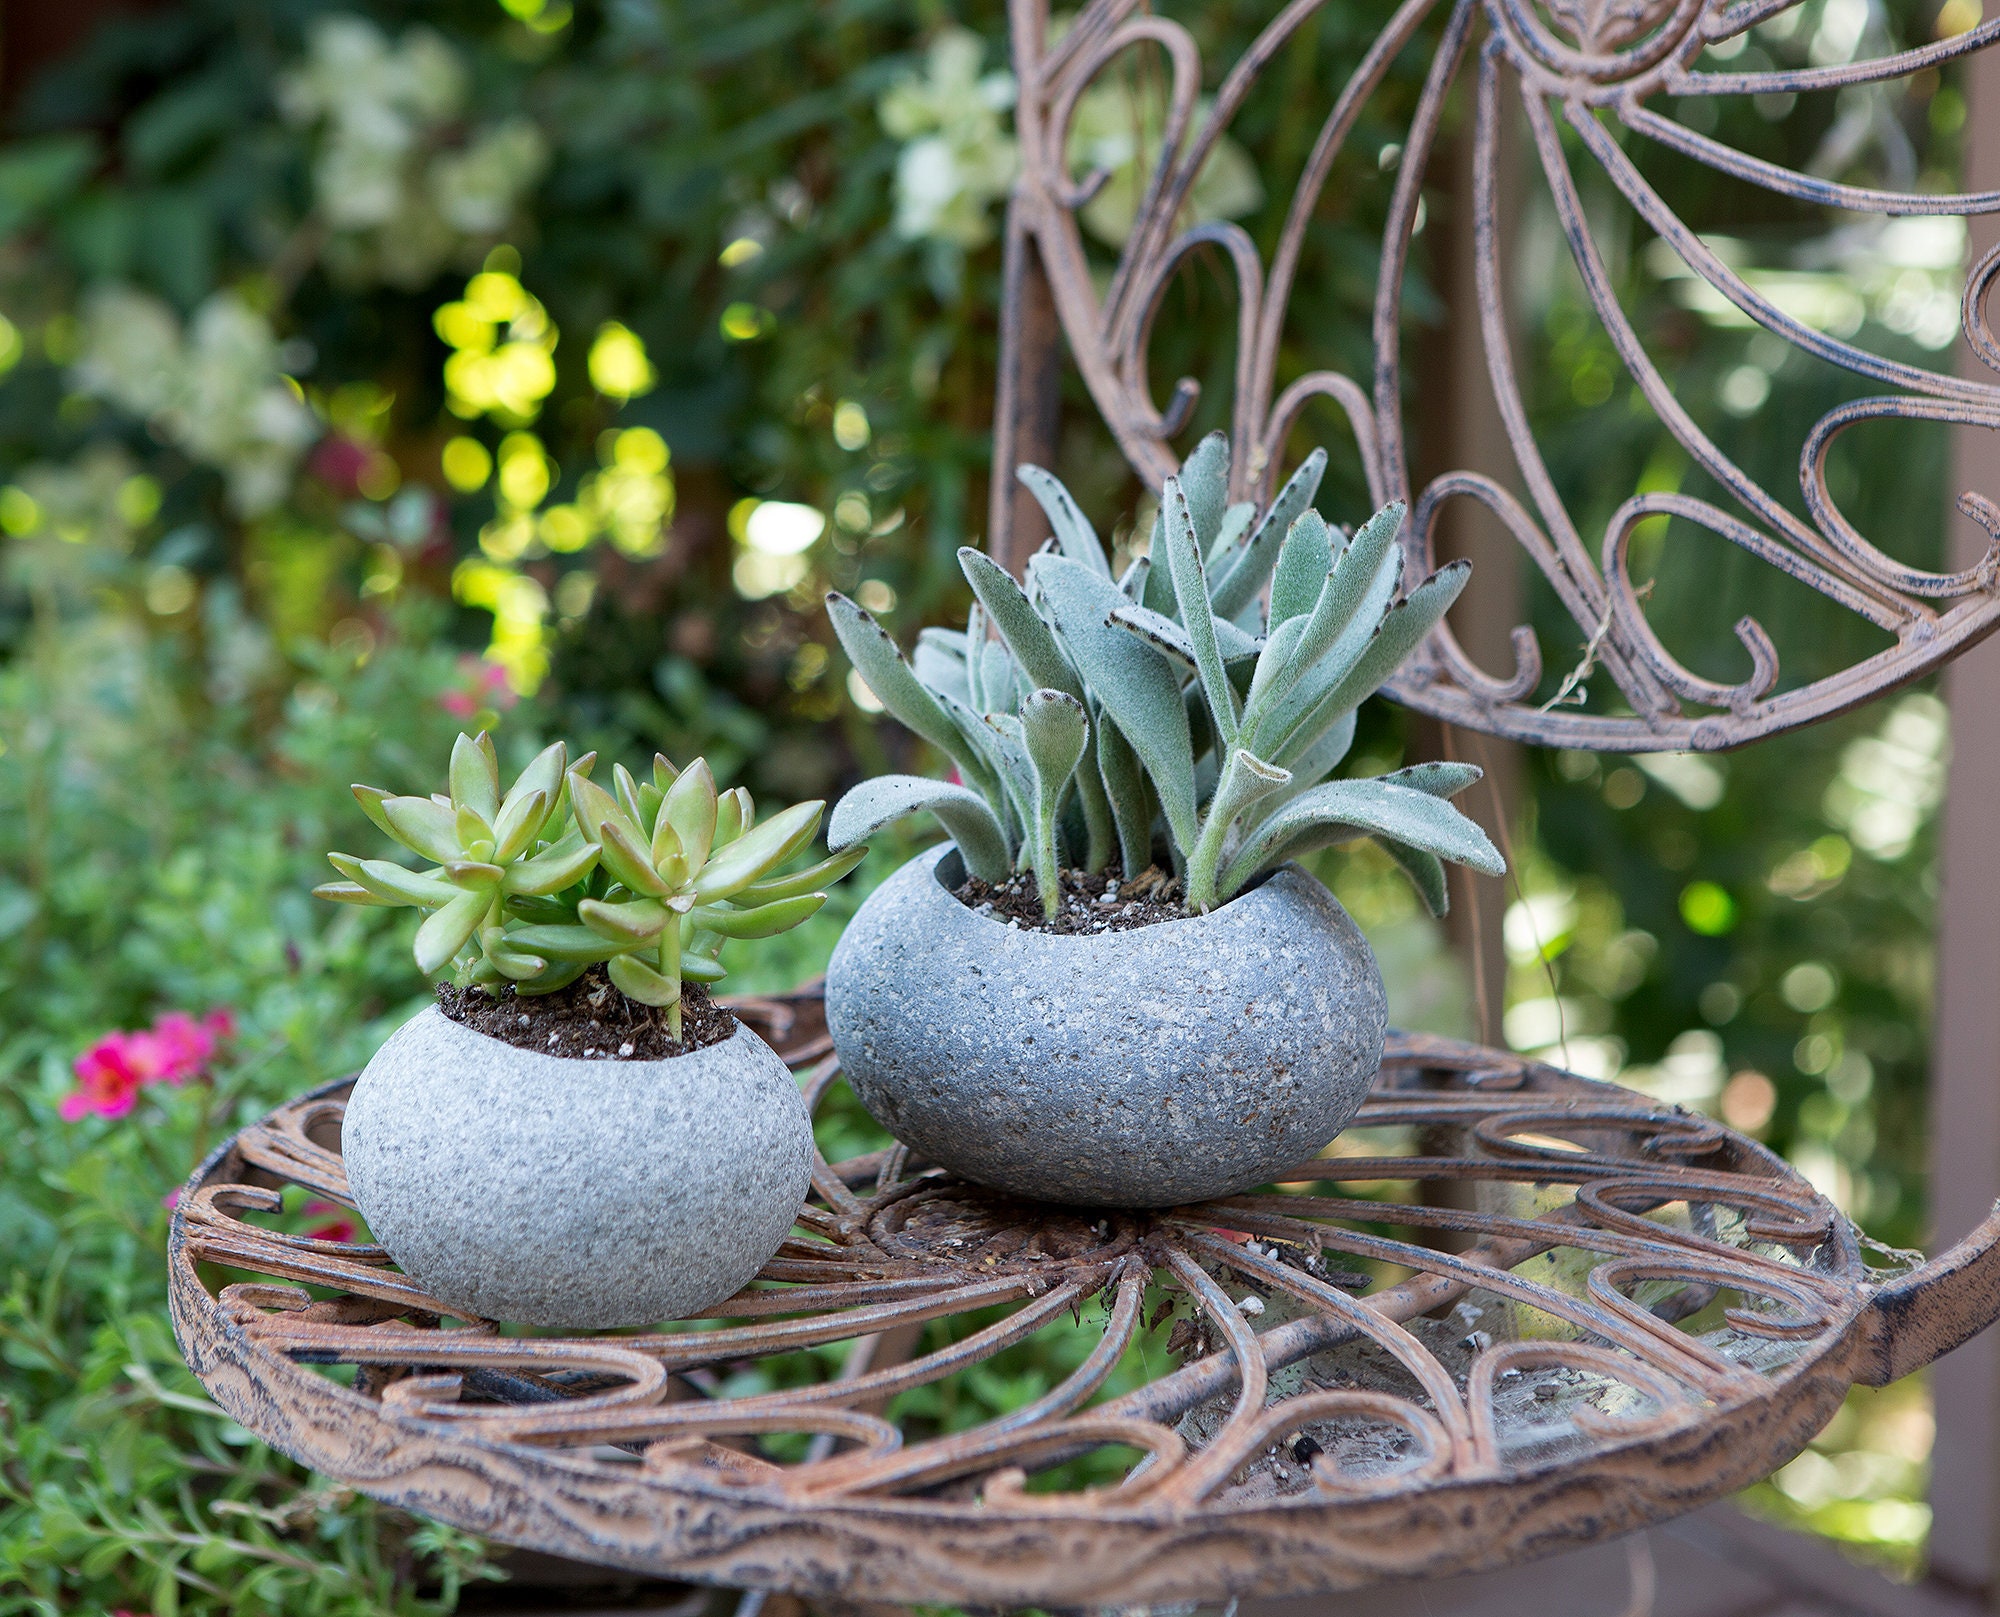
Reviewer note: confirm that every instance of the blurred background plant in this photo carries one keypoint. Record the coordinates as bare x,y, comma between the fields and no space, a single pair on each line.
372,370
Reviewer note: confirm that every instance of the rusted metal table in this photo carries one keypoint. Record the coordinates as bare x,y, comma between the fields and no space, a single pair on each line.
1516,1310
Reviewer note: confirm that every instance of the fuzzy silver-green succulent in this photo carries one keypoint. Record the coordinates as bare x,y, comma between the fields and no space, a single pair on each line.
534,887
1206,695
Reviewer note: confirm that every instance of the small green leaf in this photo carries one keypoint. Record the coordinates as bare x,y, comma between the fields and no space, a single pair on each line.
424,826
698,968
371,799
762,921
636,980
1134,685
544,774
1303,564
1340,810
1204,481
757,852
690,808
627,860
809,880
1055,731
732,813
562,942
519,819
561,865
475,875
392,883
633,922
350,892
475,775
664,773
449,930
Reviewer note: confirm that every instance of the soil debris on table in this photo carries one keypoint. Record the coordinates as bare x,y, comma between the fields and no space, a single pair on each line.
589,1019
1090,904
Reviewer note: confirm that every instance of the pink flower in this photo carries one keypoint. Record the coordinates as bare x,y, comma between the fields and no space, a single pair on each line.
333,1229
110,1074
485,686
107,1081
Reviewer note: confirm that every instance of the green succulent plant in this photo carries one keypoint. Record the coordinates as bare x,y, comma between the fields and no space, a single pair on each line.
1204,697
558,875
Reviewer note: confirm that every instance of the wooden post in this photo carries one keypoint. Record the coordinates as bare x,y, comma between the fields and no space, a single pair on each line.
1027,411
1462,430
1965,1060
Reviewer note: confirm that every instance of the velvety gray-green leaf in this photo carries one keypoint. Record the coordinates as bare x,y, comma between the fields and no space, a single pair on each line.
964,815
1133,684
894,683
1071,527
1304,561
1333,811
1232,592
1191,589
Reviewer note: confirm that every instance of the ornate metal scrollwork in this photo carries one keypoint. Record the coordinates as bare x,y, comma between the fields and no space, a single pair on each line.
1590,66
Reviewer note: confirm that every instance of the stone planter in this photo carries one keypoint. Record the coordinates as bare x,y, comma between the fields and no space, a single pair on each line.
552,1191
1190,1059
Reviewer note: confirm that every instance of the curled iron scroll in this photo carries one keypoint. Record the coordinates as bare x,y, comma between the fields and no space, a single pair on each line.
1590,68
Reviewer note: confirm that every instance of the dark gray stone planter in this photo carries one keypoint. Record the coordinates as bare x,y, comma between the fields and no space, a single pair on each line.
1138,1069
553,1191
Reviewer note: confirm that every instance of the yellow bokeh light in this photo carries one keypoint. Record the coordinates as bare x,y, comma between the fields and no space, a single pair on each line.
519,606
502,343
743,250
619,368
525,472
466,464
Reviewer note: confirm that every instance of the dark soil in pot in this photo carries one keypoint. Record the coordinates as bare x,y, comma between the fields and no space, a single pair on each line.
1088,906
589,1020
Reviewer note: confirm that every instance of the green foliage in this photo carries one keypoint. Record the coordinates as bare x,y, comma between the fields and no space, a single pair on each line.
650,881
1213,714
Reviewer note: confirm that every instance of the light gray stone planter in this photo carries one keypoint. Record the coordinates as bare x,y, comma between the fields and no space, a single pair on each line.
551,1191
1177,1062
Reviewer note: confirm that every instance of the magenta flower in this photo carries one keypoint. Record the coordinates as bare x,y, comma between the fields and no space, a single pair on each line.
485,685
110,1074
333,1229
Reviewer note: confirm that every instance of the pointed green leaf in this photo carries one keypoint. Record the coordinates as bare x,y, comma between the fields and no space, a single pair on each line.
350,892
638,981
664,773
966,819
449,930
424,826
760,921
733,812
544,774
758,852
809,880
690,807
1204,480
515,965
627,788
629,861
475,775
632,922
392,883
563,942
563,864
371,799
520,818
1235,524
1077,538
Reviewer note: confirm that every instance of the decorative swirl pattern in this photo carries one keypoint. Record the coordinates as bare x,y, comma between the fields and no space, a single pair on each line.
1512,1289
1587,64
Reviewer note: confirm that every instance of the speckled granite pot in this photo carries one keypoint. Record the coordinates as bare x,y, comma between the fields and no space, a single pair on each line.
1169,1064
552,1191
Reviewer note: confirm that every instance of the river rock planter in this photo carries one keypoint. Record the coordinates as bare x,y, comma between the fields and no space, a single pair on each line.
1173,1063
557,1191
